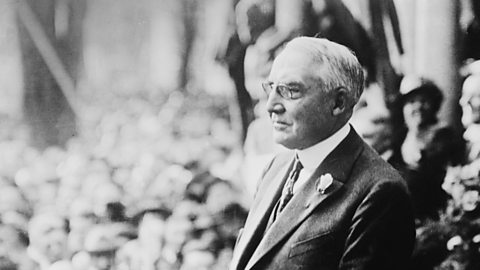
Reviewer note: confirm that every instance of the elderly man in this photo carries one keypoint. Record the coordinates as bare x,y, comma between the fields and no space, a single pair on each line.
331,202
470,103
464,179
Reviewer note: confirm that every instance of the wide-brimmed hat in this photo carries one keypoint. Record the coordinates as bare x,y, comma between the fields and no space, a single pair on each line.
415,85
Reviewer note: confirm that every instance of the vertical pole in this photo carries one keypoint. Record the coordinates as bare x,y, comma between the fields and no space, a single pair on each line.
437,50
407,16
46,108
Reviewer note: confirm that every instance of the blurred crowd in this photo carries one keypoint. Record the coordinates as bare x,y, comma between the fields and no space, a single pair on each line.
441,165
164,183
143,187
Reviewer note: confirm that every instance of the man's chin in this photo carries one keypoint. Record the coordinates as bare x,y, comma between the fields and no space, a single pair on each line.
283,141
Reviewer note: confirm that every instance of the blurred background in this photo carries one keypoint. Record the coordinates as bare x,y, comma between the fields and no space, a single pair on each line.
132,133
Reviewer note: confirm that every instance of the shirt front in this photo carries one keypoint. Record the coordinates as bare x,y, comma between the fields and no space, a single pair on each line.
313,156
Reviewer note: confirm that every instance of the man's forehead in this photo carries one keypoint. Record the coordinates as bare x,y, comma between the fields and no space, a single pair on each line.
294,55
293,64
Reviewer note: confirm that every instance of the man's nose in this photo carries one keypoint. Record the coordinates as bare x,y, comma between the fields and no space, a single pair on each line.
274,103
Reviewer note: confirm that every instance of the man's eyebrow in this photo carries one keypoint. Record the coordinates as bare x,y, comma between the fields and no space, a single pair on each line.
301,86
293,83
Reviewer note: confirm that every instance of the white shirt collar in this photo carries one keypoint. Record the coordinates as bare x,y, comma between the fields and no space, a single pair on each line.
314,155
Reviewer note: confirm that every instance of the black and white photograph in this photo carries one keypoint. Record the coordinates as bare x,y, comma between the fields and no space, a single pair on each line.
239,134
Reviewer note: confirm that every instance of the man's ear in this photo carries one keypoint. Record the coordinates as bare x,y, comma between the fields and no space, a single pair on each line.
340,101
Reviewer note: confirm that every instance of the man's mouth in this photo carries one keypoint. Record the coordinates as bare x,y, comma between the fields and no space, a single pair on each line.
279,125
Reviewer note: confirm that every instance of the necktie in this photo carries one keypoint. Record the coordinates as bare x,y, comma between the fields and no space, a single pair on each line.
287,192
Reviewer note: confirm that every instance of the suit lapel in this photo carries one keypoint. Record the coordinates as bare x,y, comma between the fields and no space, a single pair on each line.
339,164
268,193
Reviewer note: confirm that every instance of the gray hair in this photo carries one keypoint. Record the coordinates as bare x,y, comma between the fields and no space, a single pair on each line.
340,62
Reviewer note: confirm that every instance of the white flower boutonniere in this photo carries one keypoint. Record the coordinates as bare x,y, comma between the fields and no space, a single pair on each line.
326,180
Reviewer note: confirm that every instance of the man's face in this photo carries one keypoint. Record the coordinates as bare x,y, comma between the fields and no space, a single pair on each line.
470,102
308,118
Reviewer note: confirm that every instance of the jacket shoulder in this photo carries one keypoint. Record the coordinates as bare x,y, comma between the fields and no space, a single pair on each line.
374,170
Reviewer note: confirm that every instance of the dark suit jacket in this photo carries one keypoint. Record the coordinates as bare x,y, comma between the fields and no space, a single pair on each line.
363,220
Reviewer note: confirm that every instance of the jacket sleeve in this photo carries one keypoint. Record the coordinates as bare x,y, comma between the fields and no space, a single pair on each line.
382,232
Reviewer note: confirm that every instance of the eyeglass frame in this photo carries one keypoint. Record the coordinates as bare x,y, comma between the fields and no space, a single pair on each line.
284,90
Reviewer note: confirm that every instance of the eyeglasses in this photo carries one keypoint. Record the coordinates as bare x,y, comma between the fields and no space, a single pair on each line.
285,91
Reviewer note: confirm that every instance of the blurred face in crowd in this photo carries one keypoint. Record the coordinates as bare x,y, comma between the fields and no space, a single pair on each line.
418,111
219,196
82,216
178,230
151,232
81,219
306,117
49,236
470,100
56,244
198,260
104,260
11,200
10,241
